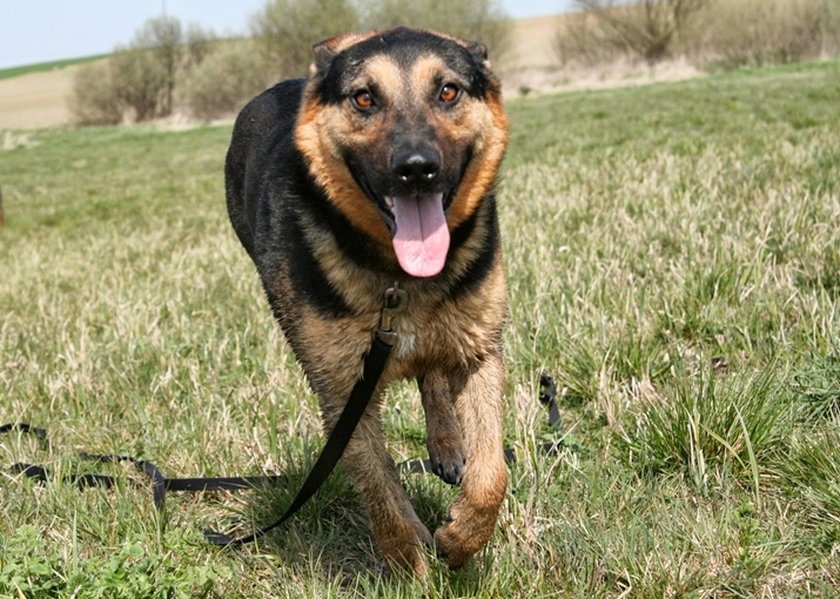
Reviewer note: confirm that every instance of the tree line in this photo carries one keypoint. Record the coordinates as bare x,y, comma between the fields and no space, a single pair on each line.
712,34
168,67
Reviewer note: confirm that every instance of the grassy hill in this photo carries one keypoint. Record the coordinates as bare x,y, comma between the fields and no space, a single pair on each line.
41,67
673,257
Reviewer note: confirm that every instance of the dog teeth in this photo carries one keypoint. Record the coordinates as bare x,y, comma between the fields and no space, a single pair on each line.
389,202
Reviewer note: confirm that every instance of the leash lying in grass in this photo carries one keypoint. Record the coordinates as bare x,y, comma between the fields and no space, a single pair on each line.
161,484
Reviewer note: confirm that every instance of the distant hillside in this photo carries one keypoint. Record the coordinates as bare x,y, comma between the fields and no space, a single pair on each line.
46,66
35,96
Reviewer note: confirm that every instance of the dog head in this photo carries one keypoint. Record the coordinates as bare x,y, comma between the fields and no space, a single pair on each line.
404,131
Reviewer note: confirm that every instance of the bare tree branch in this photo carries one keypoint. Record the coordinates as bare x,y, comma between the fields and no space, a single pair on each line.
646,27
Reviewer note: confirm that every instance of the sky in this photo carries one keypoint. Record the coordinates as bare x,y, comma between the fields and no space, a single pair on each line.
33,31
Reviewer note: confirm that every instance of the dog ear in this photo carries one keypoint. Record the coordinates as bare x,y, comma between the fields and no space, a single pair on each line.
325,51
478,50
324,55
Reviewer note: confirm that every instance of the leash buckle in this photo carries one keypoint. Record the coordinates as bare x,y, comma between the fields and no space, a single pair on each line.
396,300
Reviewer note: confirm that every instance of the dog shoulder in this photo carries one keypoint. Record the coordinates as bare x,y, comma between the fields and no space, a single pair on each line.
262,128
265,118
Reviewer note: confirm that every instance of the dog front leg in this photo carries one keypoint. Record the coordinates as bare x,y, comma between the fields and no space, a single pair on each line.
398,532
443,433
479,407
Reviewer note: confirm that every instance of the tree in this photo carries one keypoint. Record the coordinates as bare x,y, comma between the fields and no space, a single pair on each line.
162,38
647,27
287,29
477,20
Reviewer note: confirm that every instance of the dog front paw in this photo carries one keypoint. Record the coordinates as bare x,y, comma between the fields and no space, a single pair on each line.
406,553
471,521
447,459
450,470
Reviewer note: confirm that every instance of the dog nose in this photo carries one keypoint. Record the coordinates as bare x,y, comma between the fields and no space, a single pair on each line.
416,166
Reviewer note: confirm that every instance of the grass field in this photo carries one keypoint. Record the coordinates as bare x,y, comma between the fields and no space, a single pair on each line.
40,67
673,253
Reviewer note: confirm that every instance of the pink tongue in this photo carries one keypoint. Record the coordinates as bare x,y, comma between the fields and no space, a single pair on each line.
422,238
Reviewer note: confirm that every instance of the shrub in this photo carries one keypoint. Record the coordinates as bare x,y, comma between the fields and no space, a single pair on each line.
479,20
830,27
581,41
224,81
139,83
756,32
163,41
711,33
648,28
93,100
199,43
286,30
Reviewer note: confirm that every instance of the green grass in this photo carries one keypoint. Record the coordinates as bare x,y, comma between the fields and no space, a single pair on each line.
673,254
9,72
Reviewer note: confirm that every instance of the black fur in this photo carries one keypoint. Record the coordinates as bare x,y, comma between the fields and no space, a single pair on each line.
269,191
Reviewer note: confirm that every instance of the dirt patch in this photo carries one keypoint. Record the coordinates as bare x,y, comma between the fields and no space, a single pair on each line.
36,100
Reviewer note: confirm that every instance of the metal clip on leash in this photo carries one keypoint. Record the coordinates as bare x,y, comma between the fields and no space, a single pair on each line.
396,300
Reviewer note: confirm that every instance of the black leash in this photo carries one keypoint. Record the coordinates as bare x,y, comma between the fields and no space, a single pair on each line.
380,349
161,484
384,340
334,448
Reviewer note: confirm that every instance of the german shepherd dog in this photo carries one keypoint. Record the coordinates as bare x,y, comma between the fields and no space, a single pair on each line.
379,168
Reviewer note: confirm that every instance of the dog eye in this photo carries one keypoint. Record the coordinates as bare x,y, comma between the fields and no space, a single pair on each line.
449,93
363,99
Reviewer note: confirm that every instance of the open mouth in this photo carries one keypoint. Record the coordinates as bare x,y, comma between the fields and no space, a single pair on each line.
417,223
420,236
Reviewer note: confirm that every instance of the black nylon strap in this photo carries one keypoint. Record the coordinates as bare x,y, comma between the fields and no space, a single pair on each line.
334,448
147,468
231,483
40,433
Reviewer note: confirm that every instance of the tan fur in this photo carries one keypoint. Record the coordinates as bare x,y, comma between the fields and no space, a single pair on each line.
322,130
481,174
313,139
443,434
